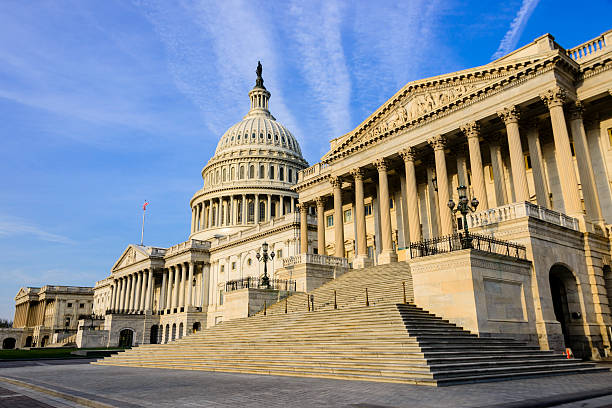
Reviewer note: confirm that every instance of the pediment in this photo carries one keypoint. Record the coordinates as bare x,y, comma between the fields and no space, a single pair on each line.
423,99
22,292
132,254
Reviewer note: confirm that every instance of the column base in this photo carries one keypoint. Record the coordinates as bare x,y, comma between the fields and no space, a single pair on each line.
362,261
386,257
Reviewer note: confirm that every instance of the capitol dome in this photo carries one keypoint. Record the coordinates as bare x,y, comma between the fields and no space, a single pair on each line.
249,178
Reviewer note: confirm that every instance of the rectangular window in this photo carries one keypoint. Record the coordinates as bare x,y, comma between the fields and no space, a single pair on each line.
81,306
233,265
222,268
69,304
279,253
390,203
330,220
290,176
221,297
371,252
348,215
368,209
610,136
67,322
527,161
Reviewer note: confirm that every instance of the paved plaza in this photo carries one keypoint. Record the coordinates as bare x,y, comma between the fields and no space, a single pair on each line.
126,387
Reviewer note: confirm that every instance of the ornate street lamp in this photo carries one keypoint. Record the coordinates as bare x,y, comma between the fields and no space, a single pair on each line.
464,207
265,257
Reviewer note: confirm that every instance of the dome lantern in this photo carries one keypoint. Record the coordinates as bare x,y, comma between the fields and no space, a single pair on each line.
259,96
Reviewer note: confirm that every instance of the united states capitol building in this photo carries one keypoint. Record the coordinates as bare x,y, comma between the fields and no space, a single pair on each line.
482,197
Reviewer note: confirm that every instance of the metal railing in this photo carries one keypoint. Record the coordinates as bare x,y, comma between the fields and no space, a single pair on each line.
254,283
457,242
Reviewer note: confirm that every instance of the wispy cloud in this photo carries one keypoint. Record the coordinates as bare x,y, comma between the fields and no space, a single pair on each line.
10,226
508,43
322,62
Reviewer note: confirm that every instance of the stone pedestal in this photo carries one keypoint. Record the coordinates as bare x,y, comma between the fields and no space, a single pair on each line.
246,302
309,271
362,261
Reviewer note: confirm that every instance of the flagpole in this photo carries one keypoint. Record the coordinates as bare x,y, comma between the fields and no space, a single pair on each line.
143,220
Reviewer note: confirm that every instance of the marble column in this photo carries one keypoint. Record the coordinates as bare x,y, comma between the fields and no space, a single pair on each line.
256,208
497,164
537,165
128,294
150,284
412,196
303,228
177,285
361,256
114,296
182,287
472,132
169,290
244,209
162,292
387,253
292,204
209,213
320,201
269,208
190,285
137,284
510,116
143,291
121,295
554,99
336,183
193,219
585,166
281,199
438,143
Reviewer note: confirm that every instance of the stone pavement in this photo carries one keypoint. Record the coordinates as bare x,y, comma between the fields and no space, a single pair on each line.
141,387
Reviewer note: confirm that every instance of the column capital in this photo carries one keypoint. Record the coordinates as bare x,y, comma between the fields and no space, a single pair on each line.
381,164
471,129
357,173
510,115
408,154
576,110
320,201
336,182
303,208
554,97
437,142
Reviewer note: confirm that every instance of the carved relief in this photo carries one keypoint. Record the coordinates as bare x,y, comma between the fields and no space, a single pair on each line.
437,142
408,154
381,165
554,97
471,129
509,115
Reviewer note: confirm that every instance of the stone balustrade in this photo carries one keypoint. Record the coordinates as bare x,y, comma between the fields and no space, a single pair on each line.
519,210
312,171
187,245
591,48
315,259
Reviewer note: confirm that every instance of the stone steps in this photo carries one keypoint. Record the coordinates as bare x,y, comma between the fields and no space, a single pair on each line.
386,341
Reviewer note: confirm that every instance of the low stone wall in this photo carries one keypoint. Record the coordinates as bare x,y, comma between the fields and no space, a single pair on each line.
247,302
88,338
309,276
487,294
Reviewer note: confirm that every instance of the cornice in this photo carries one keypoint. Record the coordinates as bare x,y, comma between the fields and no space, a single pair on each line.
252,189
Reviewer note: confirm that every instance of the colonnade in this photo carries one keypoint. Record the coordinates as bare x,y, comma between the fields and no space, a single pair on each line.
241,209
554,99
177,288
132,293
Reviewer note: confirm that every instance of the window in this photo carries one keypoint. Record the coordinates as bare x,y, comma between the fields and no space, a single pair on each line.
251,211
81,305
249,261
491,173
262,211
572,148
69,304
279,253
610,136
252,172
67,322
368,209
390,203
281,173
233,265
330,220
262,171
221,297
222,268
232,173
371,252
527,161
241,172
348,215
224,175
271,172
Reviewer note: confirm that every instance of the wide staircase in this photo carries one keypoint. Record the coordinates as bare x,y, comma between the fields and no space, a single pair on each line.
385,340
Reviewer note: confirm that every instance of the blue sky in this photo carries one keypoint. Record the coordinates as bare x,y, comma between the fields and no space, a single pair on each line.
104,104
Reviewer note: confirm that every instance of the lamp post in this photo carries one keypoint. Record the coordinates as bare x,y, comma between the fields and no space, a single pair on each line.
464,207
265,257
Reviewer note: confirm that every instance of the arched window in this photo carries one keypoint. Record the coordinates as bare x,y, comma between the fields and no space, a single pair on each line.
271,172
217,177
251,171
241,173
251,211
262,171
262,211
232,173
224,175
239,210
281,173
290,176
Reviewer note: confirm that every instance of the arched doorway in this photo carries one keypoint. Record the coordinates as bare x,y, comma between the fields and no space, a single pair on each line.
167,331
196,327
126,337
153,337
8,343
28,342
180,332
566,305
173,331
607,273
44,341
